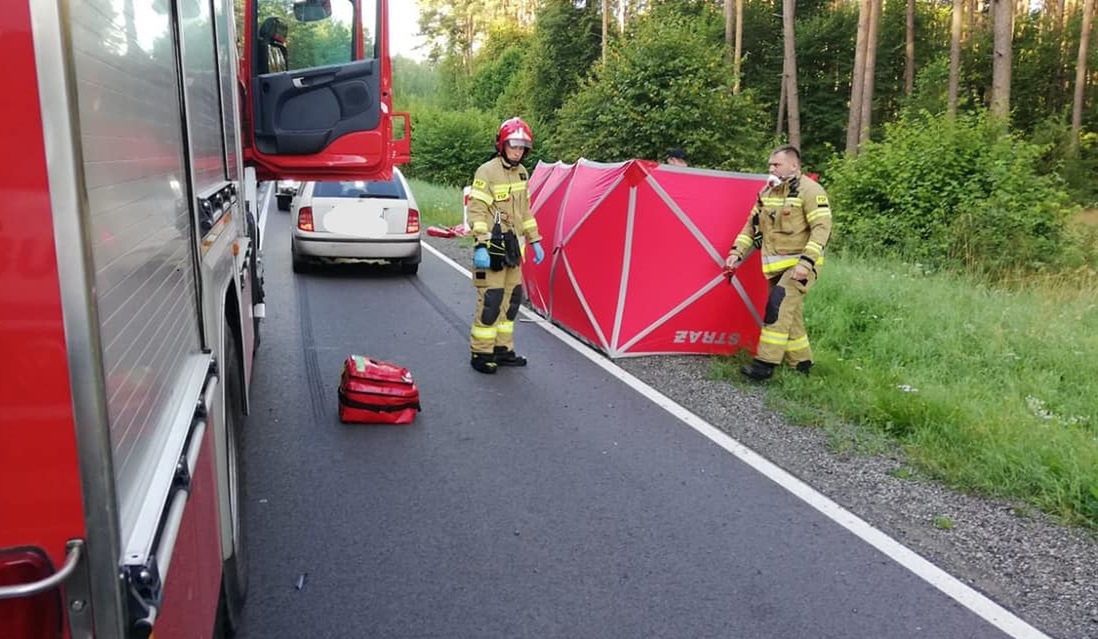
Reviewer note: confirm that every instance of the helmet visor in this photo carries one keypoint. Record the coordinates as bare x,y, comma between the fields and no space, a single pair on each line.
517,143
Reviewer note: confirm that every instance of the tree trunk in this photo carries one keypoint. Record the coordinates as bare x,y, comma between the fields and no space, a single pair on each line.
780,126
605,27
866,121
792,106
729,26
1054,22
857,77
909,51
1080,78
970,13
1003,15
737,54
955,58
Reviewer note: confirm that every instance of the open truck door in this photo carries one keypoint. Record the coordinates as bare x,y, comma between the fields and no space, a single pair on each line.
317,80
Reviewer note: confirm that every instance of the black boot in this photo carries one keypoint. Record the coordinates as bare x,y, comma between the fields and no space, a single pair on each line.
758,370
804,367
483,363
505,357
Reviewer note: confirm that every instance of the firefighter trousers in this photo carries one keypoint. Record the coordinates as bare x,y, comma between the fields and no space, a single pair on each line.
499,296
783,334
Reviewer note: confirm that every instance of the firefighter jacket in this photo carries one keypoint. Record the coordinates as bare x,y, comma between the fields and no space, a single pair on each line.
790,223
499,194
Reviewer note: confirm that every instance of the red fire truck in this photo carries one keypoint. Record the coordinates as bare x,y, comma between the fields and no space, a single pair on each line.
139,142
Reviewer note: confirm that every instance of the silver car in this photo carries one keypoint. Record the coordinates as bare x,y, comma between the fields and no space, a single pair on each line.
351,221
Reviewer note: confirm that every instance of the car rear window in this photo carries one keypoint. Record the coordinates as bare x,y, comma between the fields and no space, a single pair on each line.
391,189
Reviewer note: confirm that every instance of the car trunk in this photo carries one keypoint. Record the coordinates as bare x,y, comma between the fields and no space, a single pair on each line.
360,217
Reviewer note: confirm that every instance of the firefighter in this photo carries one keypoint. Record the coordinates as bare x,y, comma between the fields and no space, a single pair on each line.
499,212
790,223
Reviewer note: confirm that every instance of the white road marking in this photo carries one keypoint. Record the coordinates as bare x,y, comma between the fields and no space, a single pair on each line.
963,594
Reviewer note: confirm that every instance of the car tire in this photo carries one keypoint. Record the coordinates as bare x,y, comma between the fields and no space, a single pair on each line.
409,268
299,264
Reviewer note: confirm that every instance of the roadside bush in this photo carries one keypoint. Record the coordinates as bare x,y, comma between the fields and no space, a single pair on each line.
668,85
447,146
1078,170
961,194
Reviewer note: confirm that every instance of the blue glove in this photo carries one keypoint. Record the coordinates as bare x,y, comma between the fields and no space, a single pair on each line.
539,253
480,258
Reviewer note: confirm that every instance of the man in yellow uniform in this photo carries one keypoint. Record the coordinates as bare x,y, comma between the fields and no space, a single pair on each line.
790,223
499,211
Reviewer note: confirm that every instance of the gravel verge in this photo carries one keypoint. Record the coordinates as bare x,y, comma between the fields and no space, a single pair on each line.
1022,559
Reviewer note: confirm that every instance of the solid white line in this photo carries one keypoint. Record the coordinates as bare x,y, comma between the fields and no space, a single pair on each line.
963,594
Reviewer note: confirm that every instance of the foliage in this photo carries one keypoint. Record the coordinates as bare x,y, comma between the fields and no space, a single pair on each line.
413,82
963,194
1053,134
567,42
448,146
494,76
931,92
994,395
825,44
668,85
455,27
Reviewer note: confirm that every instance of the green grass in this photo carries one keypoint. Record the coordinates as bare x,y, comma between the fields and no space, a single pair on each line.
990,390
438,205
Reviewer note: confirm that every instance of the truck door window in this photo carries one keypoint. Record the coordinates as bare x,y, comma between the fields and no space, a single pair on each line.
306,34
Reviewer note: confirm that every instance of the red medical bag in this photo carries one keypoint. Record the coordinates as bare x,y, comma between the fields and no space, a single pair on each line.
376,392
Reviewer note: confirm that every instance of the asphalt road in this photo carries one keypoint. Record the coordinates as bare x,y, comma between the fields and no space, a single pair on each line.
549,501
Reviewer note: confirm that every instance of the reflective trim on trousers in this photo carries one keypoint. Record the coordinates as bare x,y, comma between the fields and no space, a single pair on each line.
798,344
484,332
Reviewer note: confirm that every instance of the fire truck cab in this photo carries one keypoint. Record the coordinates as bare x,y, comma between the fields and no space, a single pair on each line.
141,142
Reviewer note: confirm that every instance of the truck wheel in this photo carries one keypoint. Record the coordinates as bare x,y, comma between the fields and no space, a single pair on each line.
235,569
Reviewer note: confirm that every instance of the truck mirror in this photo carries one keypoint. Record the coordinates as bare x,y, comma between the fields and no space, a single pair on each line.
312,10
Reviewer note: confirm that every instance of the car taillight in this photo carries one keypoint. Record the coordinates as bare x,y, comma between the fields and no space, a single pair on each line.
413,221
34,617
305,218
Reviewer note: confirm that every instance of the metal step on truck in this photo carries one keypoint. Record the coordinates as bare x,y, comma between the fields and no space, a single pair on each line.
141,142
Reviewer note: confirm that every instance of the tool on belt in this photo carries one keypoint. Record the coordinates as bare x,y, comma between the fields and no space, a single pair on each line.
503,247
